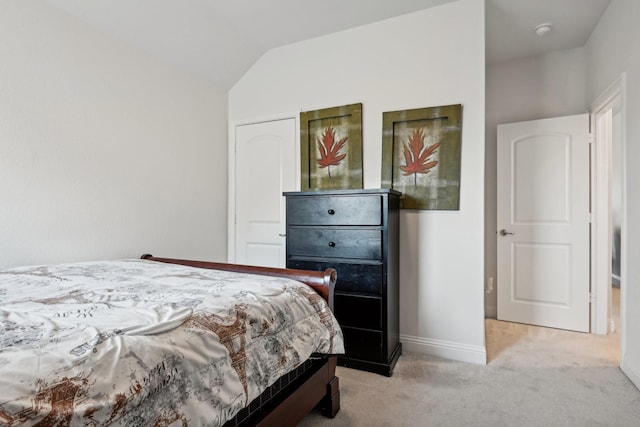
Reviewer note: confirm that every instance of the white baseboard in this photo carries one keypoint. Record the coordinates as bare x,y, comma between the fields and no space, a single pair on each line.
447,349
632,372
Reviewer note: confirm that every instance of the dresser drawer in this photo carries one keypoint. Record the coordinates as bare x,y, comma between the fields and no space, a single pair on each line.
359,244
363,344
363,278
358,311
354,210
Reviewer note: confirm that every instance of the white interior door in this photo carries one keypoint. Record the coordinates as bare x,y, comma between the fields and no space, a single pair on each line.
543,222
265,167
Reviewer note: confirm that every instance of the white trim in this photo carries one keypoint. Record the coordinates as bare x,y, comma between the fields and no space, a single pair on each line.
446,349
616,88
623,232
632,372
231,198
600,219
231,194
601,208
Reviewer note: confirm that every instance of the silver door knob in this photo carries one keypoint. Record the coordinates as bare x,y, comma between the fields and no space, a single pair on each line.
504,232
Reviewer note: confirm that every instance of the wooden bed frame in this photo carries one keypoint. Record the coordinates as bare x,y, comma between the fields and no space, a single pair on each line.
316,389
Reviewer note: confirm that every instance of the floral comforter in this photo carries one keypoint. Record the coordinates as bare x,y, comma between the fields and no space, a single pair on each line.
137,342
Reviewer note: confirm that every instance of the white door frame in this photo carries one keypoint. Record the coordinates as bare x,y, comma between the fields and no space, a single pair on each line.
601,213
231,198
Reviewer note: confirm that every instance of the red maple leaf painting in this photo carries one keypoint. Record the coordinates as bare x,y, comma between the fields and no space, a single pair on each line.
416,156
330,149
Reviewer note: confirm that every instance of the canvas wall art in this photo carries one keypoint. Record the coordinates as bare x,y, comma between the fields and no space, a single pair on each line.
421,156
331,148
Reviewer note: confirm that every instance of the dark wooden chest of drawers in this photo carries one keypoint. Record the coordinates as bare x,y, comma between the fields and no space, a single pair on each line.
355,232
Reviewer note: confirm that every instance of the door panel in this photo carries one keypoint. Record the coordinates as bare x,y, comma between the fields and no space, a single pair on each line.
265,167
540,272
543,208
540,179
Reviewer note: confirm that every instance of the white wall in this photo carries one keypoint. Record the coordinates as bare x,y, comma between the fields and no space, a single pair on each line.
550,85
104,151
612,49
429,58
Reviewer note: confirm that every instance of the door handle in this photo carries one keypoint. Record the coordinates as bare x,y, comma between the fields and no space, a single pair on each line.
282,235
504,232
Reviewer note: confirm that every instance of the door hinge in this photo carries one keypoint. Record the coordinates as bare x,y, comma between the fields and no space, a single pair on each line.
590,138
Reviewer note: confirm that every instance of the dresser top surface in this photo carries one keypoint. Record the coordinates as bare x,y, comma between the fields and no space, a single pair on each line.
342,192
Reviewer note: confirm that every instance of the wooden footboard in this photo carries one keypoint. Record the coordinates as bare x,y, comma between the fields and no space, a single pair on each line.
323,282
317,389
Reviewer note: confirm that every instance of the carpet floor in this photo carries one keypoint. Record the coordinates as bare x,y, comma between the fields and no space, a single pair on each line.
534,377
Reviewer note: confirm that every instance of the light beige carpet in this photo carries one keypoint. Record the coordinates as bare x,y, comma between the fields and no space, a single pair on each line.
518,345
535,377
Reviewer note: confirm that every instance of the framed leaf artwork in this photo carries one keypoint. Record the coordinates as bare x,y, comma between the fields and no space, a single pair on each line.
421,156
331,148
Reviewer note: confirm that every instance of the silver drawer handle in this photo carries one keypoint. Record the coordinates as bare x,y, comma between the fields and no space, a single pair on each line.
331,212
332,244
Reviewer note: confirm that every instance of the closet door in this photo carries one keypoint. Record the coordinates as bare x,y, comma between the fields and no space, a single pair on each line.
265,166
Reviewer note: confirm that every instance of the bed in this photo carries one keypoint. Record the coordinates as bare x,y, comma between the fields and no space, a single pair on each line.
166,342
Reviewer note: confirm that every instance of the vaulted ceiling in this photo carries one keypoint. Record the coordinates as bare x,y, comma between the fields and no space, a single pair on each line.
221,39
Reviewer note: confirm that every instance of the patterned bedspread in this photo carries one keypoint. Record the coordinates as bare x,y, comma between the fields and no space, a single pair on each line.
137,342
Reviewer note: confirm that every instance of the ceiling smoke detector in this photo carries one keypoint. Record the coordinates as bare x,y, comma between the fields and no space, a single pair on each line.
543,29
